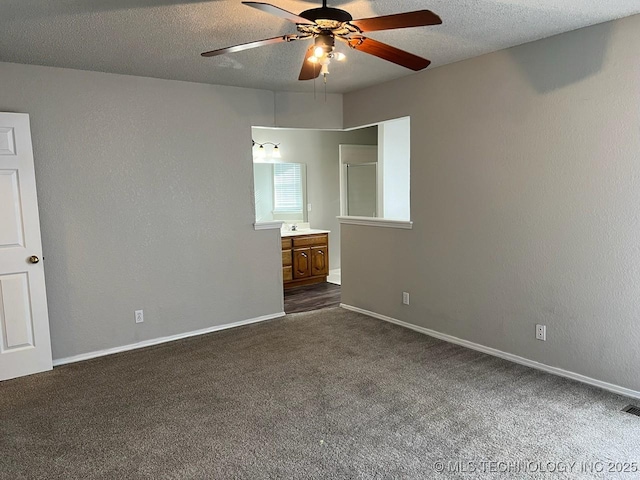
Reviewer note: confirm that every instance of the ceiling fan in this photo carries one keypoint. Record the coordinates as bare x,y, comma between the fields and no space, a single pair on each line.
325,24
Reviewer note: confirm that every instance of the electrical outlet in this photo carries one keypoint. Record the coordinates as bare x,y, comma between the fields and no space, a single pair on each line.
139,316
405,298
308,207
541,332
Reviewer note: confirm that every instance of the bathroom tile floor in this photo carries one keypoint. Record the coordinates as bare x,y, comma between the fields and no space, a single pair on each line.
311,297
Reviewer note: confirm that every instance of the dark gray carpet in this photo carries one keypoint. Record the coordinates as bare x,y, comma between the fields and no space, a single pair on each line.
327,394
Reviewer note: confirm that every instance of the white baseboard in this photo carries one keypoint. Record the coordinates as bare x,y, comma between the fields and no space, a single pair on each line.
156,341
499,353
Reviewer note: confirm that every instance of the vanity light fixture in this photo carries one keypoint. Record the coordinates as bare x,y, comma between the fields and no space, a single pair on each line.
262,152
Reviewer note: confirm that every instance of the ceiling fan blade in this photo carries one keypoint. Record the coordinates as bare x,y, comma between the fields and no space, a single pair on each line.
389,53
278,12
419,18
309,70
246,46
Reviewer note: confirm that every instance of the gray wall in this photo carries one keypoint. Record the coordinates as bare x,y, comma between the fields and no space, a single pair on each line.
319,151
525,201
146,201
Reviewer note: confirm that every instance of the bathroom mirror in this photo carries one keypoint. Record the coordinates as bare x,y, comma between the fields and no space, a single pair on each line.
280,192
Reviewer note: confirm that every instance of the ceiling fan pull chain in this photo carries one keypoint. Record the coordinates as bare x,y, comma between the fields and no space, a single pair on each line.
325,89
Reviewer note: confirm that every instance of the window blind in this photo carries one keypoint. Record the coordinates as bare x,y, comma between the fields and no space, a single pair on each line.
287,187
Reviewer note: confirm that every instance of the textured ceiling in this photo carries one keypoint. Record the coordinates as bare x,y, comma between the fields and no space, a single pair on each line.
163,38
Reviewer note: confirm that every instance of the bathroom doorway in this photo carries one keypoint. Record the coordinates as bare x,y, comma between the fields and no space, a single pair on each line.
358,176
312,297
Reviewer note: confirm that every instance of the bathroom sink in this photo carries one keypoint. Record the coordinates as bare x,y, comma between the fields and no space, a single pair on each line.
306,231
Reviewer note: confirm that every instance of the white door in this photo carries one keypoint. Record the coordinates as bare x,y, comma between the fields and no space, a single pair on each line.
25,345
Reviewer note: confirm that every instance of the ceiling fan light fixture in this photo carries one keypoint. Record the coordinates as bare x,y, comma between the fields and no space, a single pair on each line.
339,56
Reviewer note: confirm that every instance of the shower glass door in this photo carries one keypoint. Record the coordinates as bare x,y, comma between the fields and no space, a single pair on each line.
361,186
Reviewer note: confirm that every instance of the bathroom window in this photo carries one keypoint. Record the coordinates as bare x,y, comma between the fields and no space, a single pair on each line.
287,188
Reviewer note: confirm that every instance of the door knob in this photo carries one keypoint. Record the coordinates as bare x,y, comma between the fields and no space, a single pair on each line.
34,259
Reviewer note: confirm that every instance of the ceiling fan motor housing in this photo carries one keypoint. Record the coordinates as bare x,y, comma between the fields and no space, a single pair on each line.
327,14
326,41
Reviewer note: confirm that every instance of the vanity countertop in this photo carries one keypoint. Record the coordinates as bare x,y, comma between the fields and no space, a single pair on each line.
308,231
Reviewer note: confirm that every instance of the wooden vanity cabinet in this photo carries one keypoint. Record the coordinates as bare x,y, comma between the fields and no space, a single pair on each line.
305,259
301,262
319,260
287,260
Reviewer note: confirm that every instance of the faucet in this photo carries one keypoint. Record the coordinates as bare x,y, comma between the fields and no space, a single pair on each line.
294,227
